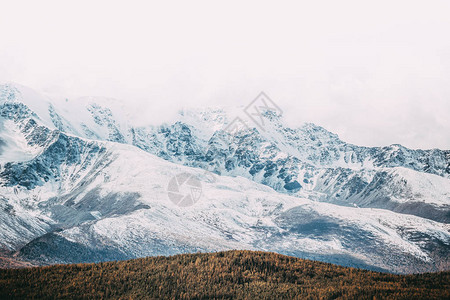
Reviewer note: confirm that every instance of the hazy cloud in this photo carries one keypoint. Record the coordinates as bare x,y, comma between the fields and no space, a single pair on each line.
375,73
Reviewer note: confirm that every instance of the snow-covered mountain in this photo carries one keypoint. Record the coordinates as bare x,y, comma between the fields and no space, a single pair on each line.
79,182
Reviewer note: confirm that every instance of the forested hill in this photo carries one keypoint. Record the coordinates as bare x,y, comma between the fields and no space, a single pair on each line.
222,275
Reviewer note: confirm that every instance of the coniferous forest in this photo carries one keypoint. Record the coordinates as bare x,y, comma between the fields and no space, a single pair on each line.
222,275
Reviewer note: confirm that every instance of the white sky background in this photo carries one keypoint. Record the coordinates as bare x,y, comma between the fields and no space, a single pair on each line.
375,73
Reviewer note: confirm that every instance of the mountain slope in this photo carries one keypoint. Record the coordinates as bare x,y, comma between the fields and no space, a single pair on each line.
68,198
116,206
308,161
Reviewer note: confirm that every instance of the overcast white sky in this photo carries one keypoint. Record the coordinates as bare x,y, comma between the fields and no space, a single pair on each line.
375,73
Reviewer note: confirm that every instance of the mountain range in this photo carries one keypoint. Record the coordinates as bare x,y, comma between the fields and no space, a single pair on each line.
80,182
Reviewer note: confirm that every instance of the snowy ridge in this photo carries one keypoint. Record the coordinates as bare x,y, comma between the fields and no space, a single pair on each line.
80,182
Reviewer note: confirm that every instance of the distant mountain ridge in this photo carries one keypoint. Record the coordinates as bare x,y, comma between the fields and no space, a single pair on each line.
80,183
308,159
